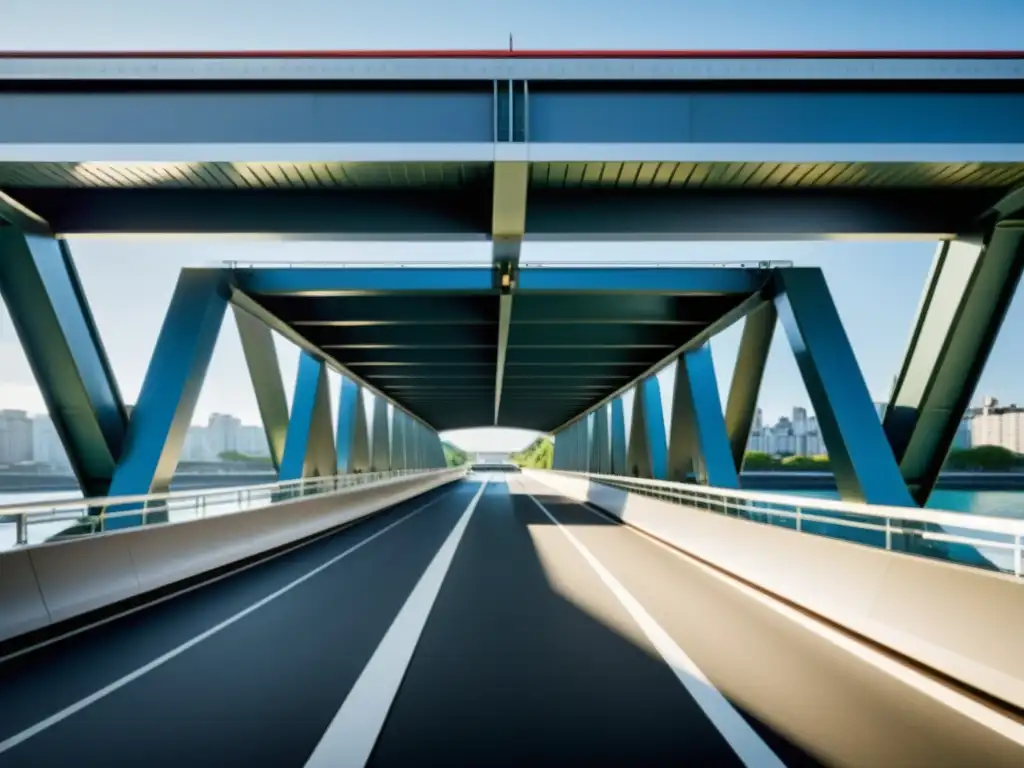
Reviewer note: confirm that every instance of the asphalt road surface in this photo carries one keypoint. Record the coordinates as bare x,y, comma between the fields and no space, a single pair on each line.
485,624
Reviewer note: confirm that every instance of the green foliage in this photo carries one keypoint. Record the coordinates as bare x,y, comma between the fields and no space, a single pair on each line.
537,455
454,456
991,458
236,456
755,461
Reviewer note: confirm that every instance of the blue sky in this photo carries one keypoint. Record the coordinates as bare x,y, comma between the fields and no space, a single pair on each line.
876,285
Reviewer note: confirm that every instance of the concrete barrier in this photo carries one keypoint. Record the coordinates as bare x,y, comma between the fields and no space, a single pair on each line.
963,622
44,584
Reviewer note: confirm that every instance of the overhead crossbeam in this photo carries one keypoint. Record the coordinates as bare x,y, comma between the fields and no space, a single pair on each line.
51,316
170,390
966,297
858,450
265,374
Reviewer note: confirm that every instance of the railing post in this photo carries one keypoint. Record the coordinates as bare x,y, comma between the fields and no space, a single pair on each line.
1017,565
22,531
799,522
888,533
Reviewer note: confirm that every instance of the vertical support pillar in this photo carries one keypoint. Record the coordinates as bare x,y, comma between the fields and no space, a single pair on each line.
647,452
758,329
698,441
381,441
413,439
353,436
163,413
618,437
398,425
966,297
265,374
863,463
600,449
583,445
55,326
309,446
559,451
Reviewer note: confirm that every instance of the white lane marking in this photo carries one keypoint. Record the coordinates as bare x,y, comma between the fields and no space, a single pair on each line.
199,585
92,698
350,738
980,713
745,742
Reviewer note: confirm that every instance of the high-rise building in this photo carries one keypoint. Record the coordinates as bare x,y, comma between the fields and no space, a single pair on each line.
15,437
252,441
46,445
993,424
222,433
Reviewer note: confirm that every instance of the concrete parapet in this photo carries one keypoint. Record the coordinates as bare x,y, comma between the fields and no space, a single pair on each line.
962,622
49,583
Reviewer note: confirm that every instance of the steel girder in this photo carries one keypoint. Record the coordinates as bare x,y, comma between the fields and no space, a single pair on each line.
647,455
380,438
863,463
309,447
758,330
353,436
51,316
698,442
265,374
163,412
965,300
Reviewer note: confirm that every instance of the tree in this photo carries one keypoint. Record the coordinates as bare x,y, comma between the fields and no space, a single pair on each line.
453,455
991,458
539,454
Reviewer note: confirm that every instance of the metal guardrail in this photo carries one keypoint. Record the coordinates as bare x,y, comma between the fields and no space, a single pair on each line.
981,541
74,518
525,263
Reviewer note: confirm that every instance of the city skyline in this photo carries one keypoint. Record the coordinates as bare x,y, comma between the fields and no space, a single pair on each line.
129,281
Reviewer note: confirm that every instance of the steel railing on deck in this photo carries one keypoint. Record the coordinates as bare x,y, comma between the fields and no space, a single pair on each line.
525,263
66,518
981,541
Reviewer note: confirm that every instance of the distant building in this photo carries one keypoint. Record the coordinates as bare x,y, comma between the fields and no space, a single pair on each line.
993,424
222,431
46,445
252,441
15,437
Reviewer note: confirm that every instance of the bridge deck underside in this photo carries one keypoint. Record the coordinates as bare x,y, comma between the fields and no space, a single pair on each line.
436,352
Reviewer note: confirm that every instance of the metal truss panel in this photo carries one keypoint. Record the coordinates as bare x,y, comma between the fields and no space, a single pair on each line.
309,447
51,315
398,429
698,441
163,412
600,443
380,438
334,281
653,280
758,330
618,428
265,373
647,455
965,300
860,455
353,435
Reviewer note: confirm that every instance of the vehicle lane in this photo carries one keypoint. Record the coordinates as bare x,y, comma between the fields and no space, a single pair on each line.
527,659
262,690
786,679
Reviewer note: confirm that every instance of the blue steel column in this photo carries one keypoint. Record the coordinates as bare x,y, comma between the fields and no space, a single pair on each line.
600,450
698,441
163,412
353,436
758,329
647,452
51,316
618,437
398,424
309,446
265,374
380,442
965,300
863,463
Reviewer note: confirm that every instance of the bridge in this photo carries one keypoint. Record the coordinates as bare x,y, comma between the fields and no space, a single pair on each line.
631,605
